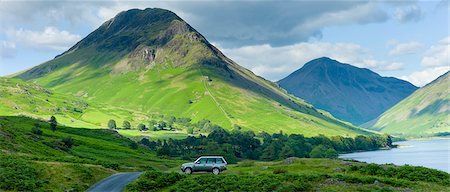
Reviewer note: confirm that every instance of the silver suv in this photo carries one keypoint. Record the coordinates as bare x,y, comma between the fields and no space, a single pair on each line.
214,164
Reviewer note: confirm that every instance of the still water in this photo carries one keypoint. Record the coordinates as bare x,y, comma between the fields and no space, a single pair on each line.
427,153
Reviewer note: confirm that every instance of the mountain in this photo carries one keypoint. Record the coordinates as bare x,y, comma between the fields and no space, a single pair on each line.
152,62
426,112
353,94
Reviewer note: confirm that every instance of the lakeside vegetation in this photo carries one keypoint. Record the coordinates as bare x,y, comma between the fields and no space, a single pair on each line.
237,145
297,174
36,157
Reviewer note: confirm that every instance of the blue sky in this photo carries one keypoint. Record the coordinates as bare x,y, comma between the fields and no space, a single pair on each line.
404,39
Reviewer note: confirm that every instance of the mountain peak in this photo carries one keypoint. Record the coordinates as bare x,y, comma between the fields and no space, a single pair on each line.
350,93
129,29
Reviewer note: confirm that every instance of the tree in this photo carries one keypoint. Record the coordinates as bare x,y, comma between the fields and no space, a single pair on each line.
141,127
162,124
190,130
152,123
53,123
331,153
68,142
112,124
318,151
126,125
287,152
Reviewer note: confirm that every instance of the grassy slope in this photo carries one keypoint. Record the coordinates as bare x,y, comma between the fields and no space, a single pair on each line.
104,69
167,90
424,113
84,163
28,99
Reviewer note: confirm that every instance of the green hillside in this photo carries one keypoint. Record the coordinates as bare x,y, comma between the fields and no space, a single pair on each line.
425,113
152,62
69,158
28,99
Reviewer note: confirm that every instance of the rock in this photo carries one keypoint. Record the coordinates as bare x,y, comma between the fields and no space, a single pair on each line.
290,160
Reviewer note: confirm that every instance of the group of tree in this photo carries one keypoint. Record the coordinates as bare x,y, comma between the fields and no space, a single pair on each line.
169,123
238,144
125,125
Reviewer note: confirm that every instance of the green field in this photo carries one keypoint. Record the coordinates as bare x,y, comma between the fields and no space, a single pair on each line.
298,174
425,113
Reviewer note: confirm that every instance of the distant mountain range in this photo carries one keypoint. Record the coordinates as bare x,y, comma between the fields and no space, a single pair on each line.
424,113
152,62
353,94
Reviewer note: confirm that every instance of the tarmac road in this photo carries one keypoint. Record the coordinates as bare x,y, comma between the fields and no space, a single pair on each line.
115,183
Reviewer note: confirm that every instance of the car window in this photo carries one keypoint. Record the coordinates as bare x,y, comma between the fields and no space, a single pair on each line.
211,161
202,161
219,160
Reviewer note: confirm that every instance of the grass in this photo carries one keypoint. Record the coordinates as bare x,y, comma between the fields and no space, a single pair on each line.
95,154
424,113
300,175
187,78
153,135
168,91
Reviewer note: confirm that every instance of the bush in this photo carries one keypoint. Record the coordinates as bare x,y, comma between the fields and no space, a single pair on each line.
68,142
141,127
246,163
280,171
36,130
18,175
133,145
110,165
154,181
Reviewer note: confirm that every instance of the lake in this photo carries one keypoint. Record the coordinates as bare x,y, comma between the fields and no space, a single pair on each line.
427,153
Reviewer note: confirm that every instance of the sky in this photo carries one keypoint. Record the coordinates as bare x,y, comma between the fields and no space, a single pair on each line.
403,39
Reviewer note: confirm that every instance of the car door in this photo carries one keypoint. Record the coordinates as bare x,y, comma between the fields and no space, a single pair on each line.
200,165
220,163
210,163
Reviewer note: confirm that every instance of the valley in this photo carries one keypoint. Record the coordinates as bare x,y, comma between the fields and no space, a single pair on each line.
145,92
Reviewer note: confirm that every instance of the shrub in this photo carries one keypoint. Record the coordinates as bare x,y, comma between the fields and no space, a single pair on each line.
18,175
133,145
53,123
280,171
68,142
141,127
154,181
36,130
246,163
110,165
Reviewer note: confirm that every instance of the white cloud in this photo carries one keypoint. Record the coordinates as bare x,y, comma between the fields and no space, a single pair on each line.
409,14
404,48
275,63
7,49
233,23
438,55
50,38
421,78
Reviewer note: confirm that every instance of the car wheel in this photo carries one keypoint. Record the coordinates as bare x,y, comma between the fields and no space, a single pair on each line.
216,171
188,171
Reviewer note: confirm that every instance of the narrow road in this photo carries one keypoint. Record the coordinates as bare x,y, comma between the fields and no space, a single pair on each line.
115,183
